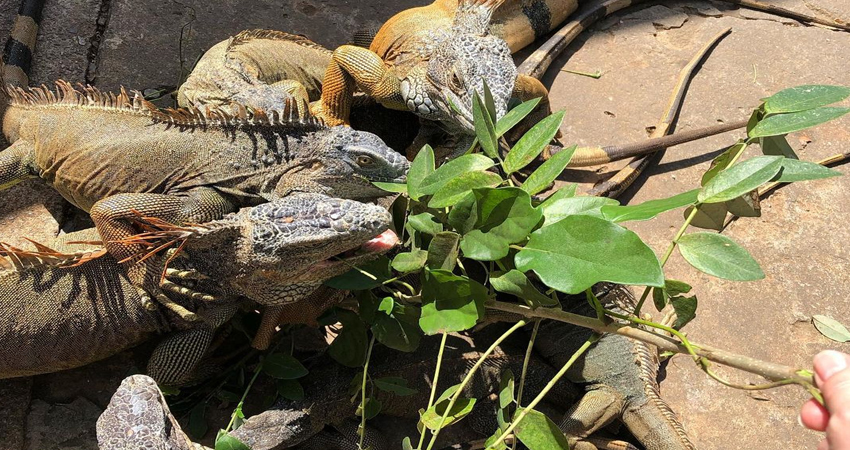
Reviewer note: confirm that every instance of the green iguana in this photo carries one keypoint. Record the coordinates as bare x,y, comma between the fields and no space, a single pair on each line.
116,156
432,59
70,309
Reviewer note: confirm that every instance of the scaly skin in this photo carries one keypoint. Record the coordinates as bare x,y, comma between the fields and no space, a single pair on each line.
620,376
123,155
327,401
259,69
276,253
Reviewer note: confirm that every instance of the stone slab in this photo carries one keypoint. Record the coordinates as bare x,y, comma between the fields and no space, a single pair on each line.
797,240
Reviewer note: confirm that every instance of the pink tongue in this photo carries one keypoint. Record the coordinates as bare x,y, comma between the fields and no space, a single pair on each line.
382,242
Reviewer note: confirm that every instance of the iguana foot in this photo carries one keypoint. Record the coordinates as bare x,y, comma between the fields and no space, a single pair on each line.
188,292
168,303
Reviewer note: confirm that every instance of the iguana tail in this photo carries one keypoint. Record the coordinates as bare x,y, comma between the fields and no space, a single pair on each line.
18,53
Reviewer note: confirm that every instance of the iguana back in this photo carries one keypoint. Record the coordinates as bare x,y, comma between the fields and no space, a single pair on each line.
56,318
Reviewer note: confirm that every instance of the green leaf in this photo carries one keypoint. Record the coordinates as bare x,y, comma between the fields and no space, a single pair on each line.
568,191
649,209
197,426
796,170
540,179
777,146
788,123
686,310
672,288
740,179
397,325
485,131
290,390
443,251
538,432
357,280
227,396
506,389
747,205
395,385
462,407
557,210
711,216
831,328
515,116
503,216
722,161
421,168
283,367
580,251
425,223
225,441
410,261
453,169
719,256
372,409
533,142
406,444
464,214
398,188
450,302
453,191
802,98
349,347
517,284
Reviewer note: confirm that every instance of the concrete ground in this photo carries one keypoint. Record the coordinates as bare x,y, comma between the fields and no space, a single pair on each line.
639,51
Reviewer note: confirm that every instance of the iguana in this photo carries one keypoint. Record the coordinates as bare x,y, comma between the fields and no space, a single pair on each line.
123,156
17,54
432,59
619,376
328,402
68,308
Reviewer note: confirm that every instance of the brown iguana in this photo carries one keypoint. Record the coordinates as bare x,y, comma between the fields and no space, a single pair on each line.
430,60
67,314
122,155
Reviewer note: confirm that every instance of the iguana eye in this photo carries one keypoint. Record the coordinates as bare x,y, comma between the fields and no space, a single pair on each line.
455,82
363,161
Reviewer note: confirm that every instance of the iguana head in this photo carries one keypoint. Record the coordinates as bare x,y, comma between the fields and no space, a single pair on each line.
345,165
279,252
459,64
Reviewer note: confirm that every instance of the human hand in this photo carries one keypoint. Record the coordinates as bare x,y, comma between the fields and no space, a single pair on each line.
832,375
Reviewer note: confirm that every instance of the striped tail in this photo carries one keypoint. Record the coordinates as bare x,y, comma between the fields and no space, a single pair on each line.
18,53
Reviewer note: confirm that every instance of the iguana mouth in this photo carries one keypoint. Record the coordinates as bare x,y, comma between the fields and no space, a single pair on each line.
378,244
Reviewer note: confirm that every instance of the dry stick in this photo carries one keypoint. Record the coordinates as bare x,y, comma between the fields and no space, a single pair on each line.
621,181
771,371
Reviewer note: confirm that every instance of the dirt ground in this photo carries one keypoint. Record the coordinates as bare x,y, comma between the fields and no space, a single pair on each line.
146,43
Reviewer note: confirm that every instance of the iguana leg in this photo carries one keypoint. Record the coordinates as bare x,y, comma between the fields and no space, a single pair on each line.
306,312
527,88
175,358
596,409
16,163
353,67
112,217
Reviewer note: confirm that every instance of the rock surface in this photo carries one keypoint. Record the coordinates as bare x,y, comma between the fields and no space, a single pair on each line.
798,240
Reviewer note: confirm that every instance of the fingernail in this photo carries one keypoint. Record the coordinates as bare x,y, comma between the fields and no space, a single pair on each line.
828,363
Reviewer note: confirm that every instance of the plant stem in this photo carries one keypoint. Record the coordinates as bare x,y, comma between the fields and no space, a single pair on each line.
468,378
363,394
590,340
766,369
526,360
433,386
668,253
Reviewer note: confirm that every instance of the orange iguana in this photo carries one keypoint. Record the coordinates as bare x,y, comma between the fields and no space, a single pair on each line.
430,60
